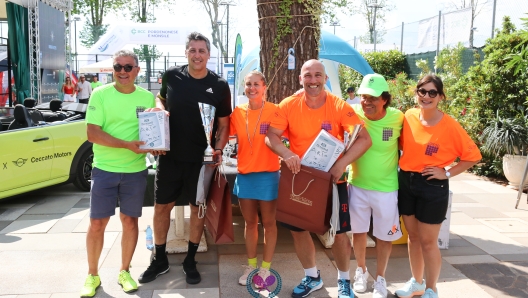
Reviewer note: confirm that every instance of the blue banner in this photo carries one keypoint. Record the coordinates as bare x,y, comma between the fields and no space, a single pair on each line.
238,68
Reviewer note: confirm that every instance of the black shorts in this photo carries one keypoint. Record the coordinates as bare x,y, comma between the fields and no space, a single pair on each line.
176,181
344,215
426,199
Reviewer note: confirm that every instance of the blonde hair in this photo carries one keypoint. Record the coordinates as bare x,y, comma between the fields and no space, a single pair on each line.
258,73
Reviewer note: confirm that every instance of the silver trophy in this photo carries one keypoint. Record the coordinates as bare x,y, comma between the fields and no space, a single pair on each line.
207,113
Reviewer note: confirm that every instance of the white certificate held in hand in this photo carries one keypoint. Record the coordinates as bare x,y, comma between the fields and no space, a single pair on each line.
154,130
323,152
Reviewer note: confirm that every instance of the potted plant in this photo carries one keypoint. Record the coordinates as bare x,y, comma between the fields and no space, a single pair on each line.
508,137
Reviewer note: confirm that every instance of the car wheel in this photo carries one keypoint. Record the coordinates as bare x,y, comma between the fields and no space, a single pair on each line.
83,174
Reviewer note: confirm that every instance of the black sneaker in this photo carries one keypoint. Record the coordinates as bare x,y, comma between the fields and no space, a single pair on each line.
155,269
192,275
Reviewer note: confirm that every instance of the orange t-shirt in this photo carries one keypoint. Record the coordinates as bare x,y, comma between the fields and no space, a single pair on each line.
436,146
302,124
262,159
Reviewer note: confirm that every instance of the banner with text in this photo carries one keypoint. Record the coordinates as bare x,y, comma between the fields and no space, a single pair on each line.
454,27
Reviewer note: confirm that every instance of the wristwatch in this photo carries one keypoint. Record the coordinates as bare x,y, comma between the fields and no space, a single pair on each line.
448,175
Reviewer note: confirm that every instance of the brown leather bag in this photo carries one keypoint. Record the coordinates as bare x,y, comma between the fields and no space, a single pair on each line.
305,199
218,215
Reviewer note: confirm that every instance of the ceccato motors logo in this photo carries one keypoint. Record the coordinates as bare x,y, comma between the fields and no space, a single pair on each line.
20,162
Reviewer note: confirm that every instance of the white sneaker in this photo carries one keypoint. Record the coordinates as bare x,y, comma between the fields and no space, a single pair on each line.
380,288
243,279
360,280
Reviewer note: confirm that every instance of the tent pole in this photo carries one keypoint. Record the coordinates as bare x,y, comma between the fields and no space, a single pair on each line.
9,86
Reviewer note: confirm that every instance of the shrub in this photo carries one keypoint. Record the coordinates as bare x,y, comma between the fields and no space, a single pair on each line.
387,63
490,89
402,90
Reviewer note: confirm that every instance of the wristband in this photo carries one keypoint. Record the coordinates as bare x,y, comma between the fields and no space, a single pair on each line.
160,97
219,150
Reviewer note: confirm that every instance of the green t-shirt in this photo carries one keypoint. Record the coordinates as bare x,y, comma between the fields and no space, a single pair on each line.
377,169
116,113
96,84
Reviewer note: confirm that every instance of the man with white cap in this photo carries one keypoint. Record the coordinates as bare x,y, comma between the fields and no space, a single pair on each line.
373,182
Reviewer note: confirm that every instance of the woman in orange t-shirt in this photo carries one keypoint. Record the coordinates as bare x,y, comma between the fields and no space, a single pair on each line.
257,180
430,140
67,89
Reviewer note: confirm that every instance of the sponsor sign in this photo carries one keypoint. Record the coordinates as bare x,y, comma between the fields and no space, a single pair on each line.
454,27
155,35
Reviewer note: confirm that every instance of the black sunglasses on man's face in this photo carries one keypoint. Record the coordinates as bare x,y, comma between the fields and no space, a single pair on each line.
128,68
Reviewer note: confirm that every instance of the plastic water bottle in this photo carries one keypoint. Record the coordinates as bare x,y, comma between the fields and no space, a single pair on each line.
149,240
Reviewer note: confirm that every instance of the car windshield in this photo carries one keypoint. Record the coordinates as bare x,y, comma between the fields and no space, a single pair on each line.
6,112
66,106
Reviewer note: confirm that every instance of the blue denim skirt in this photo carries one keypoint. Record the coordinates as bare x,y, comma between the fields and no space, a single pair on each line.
262,186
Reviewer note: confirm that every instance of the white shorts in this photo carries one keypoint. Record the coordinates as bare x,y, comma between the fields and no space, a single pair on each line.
69,98
383,206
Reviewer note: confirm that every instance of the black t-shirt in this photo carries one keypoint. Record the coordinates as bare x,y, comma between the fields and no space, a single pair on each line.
183,93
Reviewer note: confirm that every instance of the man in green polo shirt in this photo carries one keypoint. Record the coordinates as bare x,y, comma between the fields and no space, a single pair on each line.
95,82
373,182
119,167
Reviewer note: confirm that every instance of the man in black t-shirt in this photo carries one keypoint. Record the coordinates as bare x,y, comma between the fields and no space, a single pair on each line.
177,172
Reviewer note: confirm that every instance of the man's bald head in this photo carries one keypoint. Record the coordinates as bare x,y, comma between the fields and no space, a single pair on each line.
313,77
313,63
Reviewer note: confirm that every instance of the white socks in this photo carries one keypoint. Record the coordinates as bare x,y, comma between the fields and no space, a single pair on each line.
343,274
312,272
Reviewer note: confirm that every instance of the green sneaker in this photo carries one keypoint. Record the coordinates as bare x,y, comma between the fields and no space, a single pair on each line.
126,282
90,286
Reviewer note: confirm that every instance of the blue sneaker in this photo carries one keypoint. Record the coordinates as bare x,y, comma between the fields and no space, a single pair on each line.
410,289
429,293
344,290
308,284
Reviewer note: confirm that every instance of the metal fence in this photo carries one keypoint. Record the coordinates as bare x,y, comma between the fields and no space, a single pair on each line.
405,36
468,60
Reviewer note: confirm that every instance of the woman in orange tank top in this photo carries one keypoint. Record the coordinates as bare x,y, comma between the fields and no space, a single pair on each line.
67,89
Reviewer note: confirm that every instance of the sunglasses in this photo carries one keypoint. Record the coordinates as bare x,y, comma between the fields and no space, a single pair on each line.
128,68
422,92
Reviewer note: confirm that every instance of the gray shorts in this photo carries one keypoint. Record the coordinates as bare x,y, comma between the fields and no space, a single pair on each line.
108,187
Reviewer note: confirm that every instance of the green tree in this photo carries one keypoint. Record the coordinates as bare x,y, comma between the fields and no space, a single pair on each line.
387,63
449,68
90,34
491,90
367,9
212,9
94,11
363,8
519,60
142,11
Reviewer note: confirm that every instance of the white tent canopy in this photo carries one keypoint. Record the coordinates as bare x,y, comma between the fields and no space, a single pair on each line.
142,33
105,66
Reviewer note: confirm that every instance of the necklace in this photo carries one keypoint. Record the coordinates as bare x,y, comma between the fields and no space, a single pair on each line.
256,124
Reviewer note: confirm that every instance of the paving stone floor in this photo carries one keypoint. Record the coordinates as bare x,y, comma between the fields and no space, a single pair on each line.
42,250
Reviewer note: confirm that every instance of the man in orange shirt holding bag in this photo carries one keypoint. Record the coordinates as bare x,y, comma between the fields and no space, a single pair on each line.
303,116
